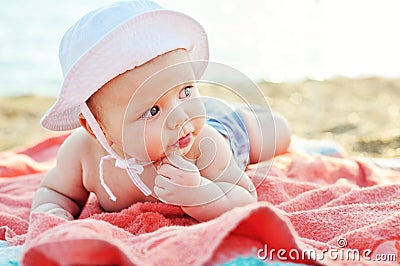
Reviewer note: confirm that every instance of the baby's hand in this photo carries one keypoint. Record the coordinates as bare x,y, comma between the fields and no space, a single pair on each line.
177,181
61,213
57,211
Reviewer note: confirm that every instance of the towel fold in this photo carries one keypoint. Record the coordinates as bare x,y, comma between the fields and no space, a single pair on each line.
306,203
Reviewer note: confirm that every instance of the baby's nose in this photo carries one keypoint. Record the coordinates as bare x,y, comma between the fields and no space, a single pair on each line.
177,117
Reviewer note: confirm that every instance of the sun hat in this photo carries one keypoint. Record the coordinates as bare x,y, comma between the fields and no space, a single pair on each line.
111,40
107,42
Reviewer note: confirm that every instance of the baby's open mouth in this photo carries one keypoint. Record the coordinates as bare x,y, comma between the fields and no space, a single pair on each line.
184,141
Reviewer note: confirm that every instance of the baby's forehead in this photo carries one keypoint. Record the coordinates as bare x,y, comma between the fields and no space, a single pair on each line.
127,87
162,82
169,77
171,68
163,73
150,80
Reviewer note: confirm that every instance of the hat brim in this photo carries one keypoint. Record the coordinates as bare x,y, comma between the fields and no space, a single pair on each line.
129,45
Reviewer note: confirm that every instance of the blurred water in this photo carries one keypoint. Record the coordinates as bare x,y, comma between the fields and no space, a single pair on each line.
30,32
276,40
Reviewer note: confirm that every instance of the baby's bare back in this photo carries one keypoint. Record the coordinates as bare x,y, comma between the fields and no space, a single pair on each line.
76,174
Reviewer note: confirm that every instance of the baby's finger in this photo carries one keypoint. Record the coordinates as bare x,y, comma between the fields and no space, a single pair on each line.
162,182
169,171
160,194
179,162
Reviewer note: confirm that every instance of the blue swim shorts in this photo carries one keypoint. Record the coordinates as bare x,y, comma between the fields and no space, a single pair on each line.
227,121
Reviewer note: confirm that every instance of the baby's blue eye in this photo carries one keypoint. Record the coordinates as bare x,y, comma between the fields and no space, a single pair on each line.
153,111
186,92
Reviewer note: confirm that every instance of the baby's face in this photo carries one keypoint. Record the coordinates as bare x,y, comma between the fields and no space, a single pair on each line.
148,116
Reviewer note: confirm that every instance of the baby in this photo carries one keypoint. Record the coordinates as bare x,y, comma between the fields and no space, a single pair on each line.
145,133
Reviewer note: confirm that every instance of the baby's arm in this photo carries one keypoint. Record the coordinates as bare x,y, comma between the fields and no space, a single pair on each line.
219,186
61,192
217,197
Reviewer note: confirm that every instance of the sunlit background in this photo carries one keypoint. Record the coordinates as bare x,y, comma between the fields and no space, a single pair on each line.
331,67
273,40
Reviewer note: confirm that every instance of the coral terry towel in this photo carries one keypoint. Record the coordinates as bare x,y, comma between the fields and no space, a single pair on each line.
305,203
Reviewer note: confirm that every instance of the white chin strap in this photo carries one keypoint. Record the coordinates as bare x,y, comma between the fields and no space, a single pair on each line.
133,168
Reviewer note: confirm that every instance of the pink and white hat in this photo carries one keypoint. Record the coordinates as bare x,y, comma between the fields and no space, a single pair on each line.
107,42
111,40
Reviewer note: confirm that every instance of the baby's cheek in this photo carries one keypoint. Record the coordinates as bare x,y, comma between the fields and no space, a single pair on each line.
153,142
197,111
199,123
136,139
199,118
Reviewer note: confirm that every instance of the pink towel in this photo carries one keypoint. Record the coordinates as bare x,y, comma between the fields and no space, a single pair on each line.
306,203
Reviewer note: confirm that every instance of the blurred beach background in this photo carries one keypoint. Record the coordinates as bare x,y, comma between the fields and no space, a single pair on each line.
332,68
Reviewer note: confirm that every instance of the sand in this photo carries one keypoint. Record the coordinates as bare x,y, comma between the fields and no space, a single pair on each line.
362,115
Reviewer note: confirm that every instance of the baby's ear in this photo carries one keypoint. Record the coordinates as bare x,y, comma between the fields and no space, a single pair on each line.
86,126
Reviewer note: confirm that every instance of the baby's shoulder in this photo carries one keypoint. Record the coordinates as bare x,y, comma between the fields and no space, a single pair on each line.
209,141
208,132
78,145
